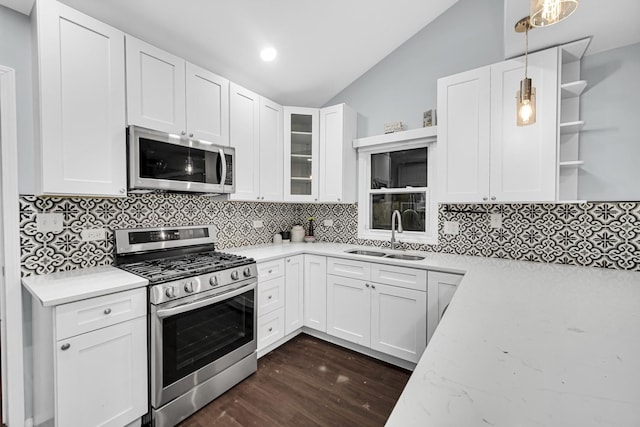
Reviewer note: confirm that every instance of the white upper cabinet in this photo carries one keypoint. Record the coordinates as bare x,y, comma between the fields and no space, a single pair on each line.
301,154
80,114
320,161
256,134
166,93
483,156
337,155
207,105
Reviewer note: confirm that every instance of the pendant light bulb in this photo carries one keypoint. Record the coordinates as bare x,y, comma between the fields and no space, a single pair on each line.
526,96
548,12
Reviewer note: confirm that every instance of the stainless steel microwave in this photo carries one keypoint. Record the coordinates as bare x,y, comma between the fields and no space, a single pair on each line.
166,162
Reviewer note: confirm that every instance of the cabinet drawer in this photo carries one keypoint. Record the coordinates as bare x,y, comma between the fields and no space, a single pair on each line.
411,278
270,328
270,295
348,268
87,315
270,269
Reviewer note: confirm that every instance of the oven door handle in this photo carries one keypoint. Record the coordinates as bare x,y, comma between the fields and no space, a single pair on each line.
204,302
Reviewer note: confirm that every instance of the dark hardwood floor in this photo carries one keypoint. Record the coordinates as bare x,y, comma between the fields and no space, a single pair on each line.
308,382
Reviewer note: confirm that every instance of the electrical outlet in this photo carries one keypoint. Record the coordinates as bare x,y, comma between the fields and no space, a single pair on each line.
257,223
49,222
327,223
93,234
452,227
495,220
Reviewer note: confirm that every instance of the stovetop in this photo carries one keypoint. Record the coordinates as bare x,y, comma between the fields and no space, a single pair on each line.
160,270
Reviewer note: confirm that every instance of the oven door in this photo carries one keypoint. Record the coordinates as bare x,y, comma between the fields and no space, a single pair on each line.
160,161
193,341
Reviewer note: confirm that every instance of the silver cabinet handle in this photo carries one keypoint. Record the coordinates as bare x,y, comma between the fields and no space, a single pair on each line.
373,286
258,198
191,135
270,329
183,133
485,198
366,284
289,260
107,311
493,197
270,296
65,346
122,191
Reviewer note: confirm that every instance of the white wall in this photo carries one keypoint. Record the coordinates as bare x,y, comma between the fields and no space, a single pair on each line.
15,52
610,141
403,85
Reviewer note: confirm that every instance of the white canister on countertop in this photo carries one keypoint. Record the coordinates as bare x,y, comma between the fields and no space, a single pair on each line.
297,234
277,238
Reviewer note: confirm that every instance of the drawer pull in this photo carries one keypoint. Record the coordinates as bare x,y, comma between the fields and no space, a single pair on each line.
270,329
366,284
107,311
373,286
270,296
270,271
65,346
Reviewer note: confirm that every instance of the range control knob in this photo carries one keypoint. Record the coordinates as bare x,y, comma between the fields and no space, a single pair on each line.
188,287
246,272
235,275
170,292
213,281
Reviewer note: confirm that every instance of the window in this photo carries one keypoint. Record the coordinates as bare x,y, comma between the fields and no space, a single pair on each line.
397,177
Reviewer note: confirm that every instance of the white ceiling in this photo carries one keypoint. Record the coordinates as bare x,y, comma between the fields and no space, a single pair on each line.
612,23
323,46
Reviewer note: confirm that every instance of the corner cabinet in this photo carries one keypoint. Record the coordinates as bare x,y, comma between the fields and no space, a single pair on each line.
320,161
90,361
168,94
483,156
256,134
441,287
315,292
80,109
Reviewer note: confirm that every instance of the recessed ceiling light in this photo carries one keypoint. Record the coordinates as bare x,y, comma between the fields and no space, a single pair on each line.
268,54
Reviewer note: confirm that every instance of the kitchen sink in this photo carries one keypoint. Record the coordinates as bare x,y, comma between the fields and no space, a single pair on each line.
365,252
406,257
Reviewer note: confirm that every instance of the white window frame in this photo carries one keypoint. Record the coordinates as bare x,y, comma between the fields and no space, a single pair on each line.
430,235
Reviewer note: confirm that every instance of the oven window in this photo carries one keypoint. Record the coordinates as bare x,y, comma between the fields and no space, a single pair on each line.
196,338
159,160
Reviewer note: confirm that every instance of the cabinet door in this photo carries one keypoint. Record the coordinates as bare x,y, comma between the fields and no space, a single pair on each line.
337,156
349,309
245,137
301,153
463,136
294,302
523,158
270,329
102,376
270,295
271,148
398,321
207,105
81,93
315,292
442,286
155,88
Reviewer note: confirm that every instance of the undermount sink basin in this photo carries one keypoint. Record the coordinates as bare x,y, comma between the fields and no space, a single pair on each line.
365,252
405,257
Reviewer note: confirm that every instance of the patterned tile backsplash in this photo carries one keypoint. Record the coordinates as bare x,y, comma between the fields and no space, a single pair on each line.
590,234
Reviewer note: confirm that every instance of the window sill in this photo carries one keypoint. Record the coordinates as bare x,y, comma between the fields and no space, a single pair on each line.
420,238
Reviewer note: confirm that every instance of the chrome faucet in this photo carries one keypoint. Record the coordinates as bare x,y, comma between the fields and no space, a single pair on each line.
395,214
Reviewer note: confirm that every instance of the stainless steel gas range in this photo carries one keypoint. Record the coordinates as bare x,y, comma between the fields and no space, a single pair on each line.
202,315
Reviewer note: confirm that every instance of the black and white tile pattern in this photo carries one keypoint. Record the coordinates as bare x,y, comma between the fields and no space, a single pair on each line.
605,235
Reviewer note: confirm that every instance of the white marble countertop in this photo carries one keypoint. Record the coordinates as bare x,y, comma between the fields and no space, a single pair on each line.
69,286
523,344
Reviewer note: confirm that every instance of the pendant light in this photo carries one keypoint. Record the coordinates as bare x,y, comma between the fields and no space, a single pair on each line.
526,96
549,12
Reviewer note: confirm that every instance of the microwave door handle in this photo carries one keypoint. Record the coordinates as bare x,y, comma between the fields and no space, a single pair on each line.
223,178
204,302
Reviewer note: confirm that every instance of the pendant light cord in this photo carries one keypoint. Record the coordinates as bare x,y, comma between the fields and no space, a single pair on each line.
526,49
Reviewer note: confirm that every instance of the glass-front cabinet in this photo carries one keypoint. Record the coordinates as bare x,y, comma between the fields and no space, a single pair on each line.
301,152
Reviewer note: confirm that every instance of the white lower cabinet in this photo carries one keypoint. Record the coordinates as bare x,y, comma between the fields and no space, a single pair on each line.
90,361
315,292
386,317
442,286
271,297
294,294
